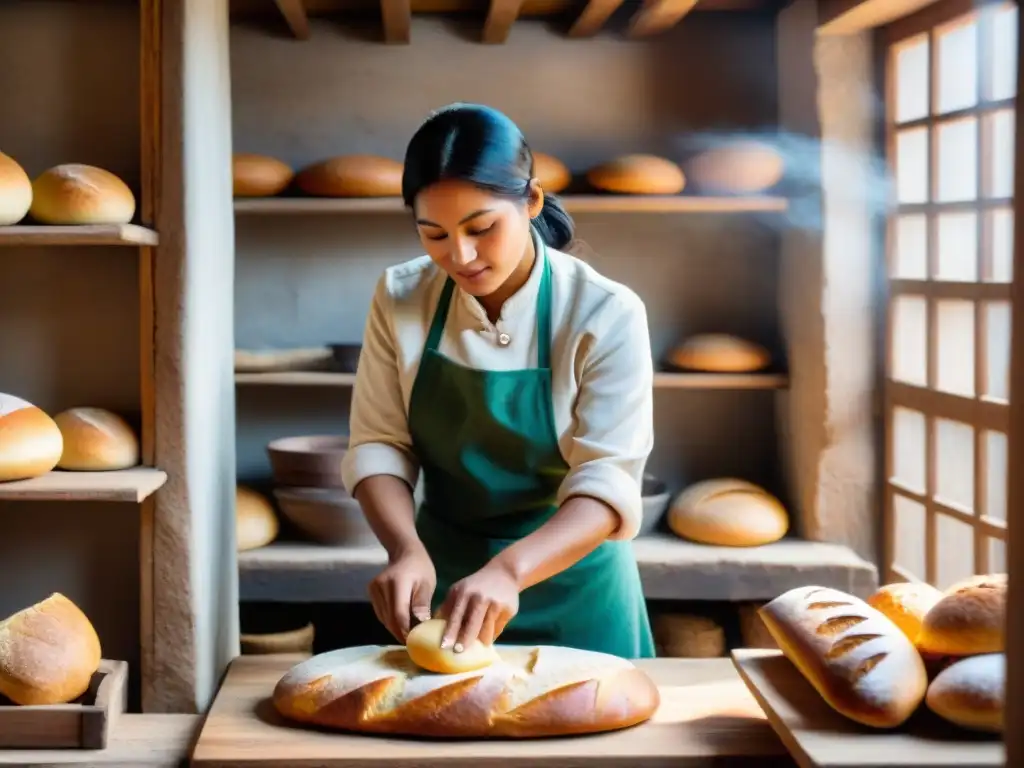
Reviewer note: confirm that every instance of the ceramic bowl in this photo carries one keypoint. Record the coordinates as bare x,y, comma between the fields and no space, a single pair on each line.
656,498
326,516
308,461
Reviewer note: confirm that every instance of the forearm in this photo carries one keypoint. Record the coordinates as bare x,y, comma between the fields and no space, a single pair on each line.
390,510
576,529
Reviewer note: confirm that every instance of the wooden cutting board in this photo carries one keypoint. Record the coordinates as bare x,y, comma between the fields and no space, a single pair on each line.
819,737
707,718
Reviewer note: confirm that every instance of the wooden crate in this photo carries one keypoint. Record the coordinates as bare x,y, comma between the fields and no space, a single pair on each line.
83,724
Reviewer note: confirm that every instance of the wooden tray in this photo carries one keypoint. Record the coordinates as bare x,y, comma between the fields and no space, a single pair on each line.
84,724
819,737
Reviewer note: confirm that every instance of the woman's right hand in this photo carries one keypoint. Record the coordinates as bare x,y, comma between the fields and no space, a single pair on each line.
404,590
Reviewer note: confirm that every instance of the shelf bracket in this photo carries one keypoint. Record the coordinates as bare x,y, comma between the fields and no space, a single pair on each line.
500,18
658,16
593,17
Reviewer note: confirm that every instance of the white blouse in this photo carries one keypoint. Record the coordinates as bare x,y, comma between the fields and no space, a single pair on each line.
602,374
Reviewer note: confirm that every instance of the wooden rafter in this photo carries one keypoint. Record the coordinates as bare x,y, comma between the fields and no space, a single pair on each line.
501,16
843,17
295,17
396,15
593,17
657,16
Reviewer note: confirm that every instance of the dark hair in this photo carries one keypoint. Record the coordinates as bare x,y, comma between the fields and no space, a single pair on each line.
483,146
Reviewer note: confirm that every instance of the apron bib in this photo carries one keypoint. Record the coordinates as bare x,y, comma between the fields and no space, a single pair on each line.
488,448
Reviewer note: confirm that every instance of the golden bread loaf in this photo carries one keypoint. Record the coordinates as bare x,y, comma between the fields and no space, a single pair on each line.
256,523
860,662
905,604
969,619
719,353
552,174
530,692
48,653
741,167
30,441
75,194
352,176
259,175
15,191
96,440
971,692
424,646
729,513
638,175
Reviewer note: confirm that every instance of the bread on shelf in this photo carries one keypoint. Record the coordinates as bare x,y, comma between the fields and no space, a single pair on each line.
638,174
530,692
552,174
719,353
905,603
30,441
96,440
741,167
256,523
969,619
352,176
15,191
971,692
727,512
259,175
76,194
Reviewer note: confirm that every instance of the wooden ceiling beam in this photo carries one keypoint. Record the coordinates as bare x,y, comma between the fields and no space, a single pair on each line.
501,15
593,17
845,17
657,16
295,17
396,16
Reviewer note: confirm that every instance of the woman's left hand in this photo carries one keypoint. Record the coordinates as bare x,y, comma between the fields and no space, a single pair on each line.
479,606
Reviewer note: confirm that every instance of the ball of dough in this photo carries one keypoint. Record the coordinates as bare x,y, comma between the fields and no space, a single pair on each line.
740,168
352,176
96,440
256,523
728,512
720,353
424,646
76,194
30,441
15,191
552,173
259,175
638,175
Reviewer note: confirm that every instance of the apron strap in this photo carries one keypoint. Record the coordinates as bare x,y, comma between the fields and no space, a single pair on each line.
440,315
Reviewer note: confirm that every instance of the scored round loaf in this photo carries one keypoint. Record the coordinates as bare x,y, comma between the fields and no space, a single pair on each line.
531,692
905,604
76,194
15,191
860,662
719,353
352,176
552,174
259,175
48,653
971,692
96,440
638,175
727,512
256,523
424,646
970,618
30,441
740,168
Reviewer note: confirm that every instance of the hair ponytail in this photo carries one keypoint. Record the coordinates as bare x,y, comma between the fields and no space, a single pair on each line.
554,224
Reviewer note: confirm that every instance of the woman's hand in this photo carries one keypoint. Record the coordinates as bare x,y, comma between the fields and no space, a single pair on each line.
479,606
404,590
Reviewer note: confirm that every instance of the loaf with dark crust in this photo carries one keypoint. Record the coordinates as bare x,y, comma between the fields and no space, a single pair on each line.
532,691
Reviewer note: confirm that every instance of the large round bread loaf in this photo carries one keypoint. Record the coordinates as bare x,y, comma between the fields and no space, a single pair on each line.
727,512
15,191
530,692
96,440
970,618
638,175
719,353
861,664
259,175
906,603
971,692
30,441
740,168
552,174
352,176
81,194
256,523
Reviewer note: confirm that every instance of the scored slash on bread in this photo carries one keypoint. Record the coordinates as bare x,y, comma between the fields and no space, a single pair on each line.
529,692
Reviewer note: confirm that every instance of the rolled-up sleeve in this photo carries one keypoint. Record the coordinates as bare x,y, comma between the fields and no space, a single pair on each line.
379,442
614,424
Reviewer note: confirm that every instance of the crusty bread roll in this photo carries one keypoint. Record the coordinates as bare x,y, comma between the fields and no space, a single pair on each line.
30,441
81,194
530,692
424,646
971,692
551,172
638,175
728,513
96,440
15,191
259,175
352,176
48,653
256,523
719,353
863,666
740,168
905,604
970,618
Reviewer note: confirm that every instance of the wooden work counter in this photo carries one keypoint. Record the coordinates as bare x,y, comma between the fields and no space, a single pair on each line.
707,718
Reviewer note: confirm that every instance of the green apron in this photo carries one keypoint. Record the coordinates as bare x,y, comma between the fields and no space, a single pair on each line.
488,448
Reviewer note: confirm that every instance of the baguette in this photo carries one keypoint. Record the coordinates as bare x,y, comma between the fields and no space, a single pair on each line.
860,662
529,692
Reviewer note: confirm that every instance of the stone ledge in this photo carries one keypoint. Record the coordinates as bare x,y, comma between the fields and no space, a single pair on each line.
671,569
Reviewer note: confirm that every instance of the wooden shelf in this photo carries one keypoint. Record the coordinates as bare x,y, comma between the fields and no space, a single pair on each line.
573,204
661,380
130,485
92,234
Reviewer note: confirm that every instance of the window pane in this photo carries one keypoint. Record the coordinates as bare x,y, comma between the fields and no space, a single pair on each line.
954,467
957,164
954,322
957,246
912,79
957,51
997,350
1002,60
908,535
995,447
955,545
909,362
999,138
910,251
1000,241
908,448
996,555
912,166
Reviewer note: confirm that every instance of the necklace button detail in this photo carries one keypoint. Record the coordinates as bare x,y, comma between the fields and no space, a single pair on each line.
504,339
